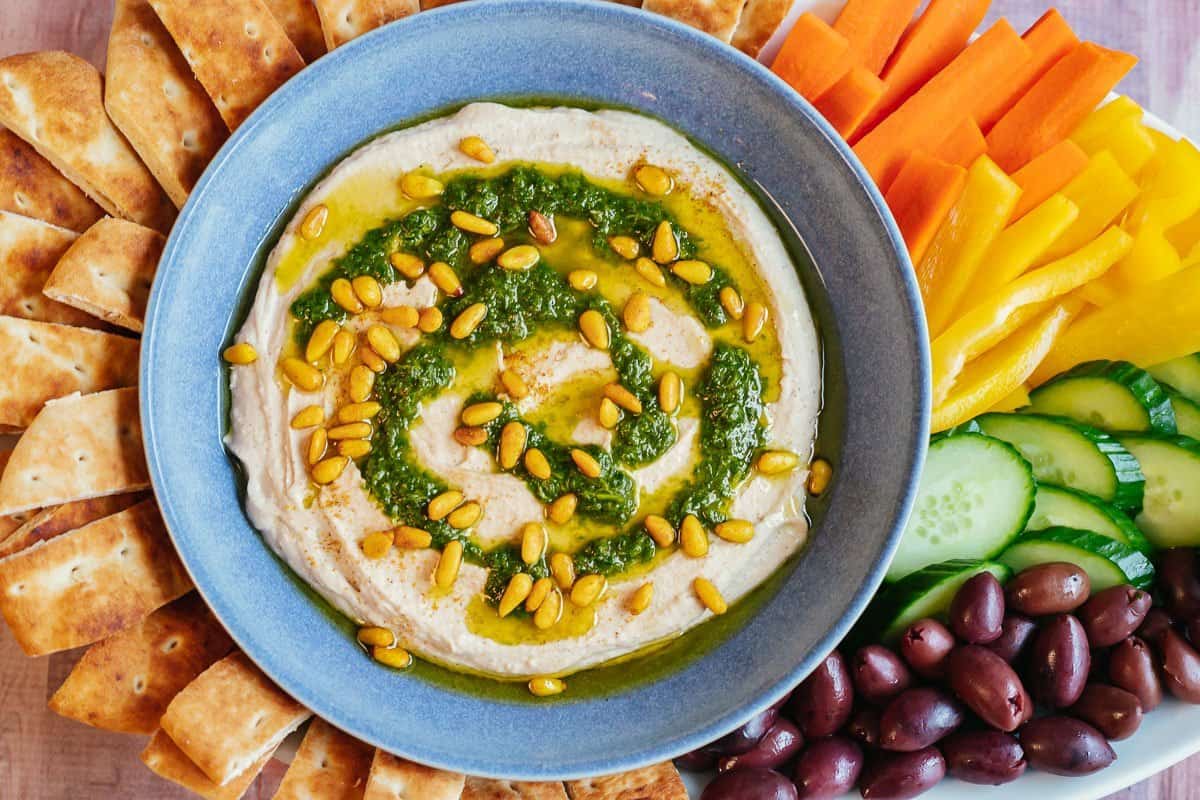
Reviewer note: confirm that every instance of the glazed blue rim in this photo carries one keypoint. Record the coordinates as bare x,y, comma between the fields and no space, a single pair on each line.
222,563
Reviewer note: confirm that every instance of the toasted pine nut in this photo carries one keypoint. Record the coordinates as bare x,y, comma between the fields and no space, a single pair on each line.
738,531
376,545
542,227
512,444
445,278
594,329
546,687
481,413
637,312
354,448
542,588
710,596
309,417
514,384
639,601
372,360
549,611
650,272
470,223
394,657
582,280
468,320
819,476
465,515
623,397
536,464
368,291
485,250
519,587
470,437
430,319
384,342
343,347
653,180
694,272
610,413
401,316
376,637
314,222
519,258
660,530
476,148
533,542
362,383
241,354
450,560
359,412
343,294
777,462
732,302
562,567
692,537
563,508
443,504
408,265
317,444
670,392
588,590
753,321
302,375
412,538
321,340
625,246
665,247
586,463
351,430
421,187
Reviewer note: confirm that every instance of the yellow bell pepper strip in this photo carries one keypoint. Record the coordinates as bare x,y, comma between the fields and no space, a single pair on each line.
1130,143
953,257
1105,118
1102,191
1186,234
1149,324
983,326
1017,398
1151,258
1002,370
1171,188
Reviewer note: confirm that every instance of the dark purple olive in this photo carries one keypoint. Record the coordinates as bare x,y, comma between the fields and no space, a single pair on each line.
1114,712
1192,629
918,718
828,768
1059,662
701,759
986,757
823,702
863,726
977,611
751,783
925,645
1065,746
988,686
897,776
1015,636
1054,588
1113,614
879,674
1180,667
1179,580
1154,625
745,737
777,747
1131,667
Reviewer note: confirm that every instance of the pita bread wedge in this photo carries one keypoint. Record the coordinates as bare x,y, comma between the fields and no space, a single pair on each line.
29,249
343,20
167,761
716,17
108,271
90,583
394,778
125,682
299,19
659,782
30,185
487,789
78,447
150,94
11,524
428,4
50,522
329,765
53,100
760,19
256,716
237,50
44,361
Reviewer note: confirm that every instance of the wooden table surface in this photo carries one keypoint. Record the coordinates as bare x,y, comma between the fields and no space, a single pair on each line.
45,757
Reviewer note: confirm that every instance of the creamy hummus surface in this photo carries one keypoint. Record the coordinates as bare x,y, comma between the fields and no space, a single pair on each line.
350,512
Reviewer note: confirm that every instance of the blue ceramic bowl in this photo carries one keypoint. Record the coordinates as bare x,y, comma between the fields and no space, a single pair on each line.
861,289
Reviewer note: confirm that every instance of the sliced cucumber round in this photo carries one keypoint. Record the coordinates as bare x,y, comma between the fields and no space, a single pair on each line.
1114,395
1056,507
925,593
1106,561
1182,373
1066,453
975,496
1187,413
1170,516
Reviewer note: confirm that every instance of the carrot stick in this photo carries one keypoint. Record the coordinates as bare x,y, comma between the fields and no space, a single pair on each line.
873,27
938,35
813,57
849,100
1050,39
921,197
1046,174
1053,107
960,89
964,144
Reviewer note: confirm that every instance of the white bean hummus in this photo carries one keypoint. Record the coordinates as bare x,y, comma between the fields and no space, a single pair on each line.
315,508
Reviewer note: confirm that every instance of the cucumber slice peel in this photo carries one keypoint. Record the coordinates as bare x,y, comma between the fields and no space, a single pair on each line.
925,593
1056,506
1113,395
1170,516
1106,561
1187,413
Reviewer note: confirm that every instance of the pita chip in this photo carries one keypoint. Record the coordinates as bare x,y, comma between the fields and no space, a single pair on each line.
659,782
428,4
330,765
44,361
125,682
166,760
53,100
50,522
256,716
760,19
90,583
343,20
716,17
486,789
11,524
299,19
29,249
150,94
78,447
30,185
394,778
237,50
107,272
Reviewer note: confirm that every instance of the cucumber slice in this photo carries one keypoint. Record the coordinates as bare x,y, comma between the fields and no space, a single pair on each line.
976,495
1114,395
1171,514
1058,507
1182,373
1106,561
925,593
1065,453
1187,413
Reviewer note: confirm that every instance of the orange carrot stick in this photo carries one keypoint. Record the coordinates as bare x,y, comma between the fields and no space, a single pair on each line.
1046,174
849,100
873,27
1050,39
964,144
1056,104
813,57
921,197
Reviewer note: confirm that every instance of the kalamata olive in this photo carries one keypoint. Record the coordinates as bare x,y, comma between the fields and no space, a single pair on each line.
925,645
1131,667
1059,662
699,760
777,747
977,611
879,674
1113,614
863,726
1065,746
1180,666
897,776
823,702
745,737
1054,588
989,687
1015,635
1177,575
987,757
828,768
918,718
1156,622
751,783
1192,629
1114,712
